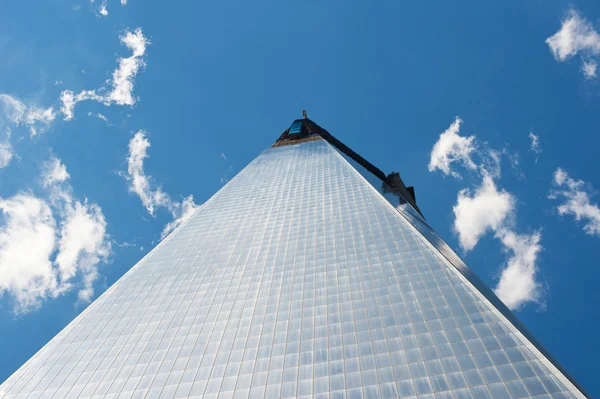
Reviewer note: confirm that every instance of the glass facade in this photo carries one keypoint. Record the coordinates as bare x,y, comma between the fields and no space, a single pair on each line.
297,279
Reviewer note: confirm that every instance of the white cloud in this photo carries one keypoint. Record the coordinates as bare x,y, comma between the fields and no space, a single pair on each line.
514,161
35,118
6,153
99,116
83,244
518,281
14,109
485,210
488,209
6,150
54,172
139,183
124,75
40,258
575,35
69,100
226,175
102,9
122,82
589,69
27,240
123,2
181,212
576,201
83,241
491,163
535,143
153,197
451,147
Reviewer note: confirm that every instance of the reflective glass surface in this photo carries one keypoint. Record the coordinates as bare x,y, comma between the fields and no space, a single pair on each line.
297,279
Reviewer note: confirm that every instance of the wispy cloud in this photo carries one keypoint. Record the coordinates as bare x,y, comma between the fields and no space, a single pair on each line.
589,69
575,197
139,183
181,212
120,90
576,36
535,143
14,109
47,247
6,149
54,172
102,7
70,99
227,174
34,118
99,116
151,195
6,153
14,113
38,116
514,161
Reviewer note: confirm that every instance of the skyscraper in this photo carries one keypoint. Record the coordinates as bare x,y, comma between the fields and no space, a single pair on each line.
298,279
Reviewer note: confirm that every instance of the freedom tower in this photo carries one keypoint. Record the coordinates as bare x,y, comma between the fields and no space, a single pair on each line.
310,274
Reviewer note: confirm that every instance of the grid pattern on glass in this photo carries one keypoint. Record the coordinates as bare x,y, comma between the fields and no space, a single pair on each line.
494,303
297,279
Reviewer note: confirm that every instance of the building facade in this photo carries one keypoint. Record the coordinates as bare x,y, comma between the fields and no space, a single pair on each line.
297,279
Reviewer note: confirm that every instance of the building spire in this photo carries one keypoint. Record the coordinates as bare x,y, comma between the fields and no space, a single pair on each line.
304,114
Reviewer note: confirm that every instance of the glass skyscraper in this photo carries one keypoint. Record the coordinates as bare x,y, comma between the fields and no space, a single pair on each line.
299,278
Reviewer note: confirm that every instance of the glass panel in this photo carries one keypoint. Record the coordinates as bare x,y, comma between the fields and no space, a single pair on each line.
297,278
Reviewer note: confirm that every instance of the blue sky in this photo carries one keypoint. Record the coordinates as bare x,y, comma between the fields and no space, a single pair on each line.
113,128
